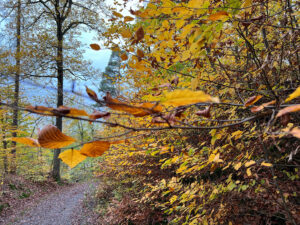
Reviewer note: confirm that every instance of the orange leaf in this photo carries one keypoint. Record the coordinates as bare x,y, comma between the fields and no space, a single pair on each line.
124,57
218,16
140,53
255,109
252,100
137,110
295,132
95,149
126,34
91,93
26,141
289,109
51,137
95,47
73,111
128,18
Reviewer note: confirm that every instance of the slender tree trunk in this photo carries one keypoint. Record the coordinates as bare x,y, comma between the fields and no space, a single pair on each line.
60,96
17,88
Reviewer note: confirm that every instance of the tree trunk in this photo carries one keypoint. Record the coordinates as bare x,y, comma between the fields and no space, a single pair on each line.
17,89
60,96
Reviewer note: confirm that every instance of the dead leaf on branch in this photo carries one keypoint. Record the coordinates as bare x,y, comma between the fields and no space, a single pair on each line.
252,100
218,16
205,112
51,137
72,157
96,115
91,93
137,110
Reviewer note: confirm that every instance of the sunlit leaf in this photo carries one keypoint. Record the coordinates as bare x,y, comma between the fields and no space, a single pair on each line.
250,163
40,109
51,137
266,164
295,94
71,157
186,97
95,47
95,148
126,34
289,109
26,141
96,115
295,132
252,100
237,166
71,111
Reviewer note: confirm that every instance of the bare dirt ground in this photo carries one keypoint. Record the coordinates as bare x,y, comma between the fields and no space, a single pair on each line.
62,207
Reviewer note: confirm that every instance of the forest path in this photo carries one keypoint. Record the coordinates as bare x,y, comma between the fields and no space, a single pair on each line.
62,207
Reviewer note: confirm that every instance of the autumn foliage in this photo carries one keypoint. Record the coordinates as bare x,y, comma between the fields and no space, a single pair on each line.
209,132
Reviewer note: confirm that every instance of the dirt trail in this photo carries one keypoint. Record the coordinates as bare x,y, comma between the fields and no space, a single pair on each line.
59,208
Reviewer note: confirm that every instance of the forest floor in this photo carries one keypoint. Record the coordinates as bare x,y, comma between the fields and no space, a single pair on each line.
66,205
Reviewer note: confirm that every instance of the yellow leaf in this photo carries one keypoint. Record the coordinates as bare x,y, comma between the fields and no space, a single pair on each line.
248,171
218,16
289,109
295,94
238,166
26,141
196,3
51,137
71,157
186,97
266,164
95,148
95,47
250,163
126,34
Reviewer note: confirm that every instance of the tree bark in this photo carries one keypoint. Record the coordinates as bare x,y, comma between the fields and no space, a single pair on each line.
15,121
60,95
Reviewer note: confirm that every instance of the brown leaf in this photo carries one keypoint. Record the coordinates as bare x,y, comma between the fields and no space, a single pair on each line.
218,16
91,93
95,148
51,137
95,47
252,100
96,115
117,14
128,18
289,109
140,53
205,112
124,57
139,35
